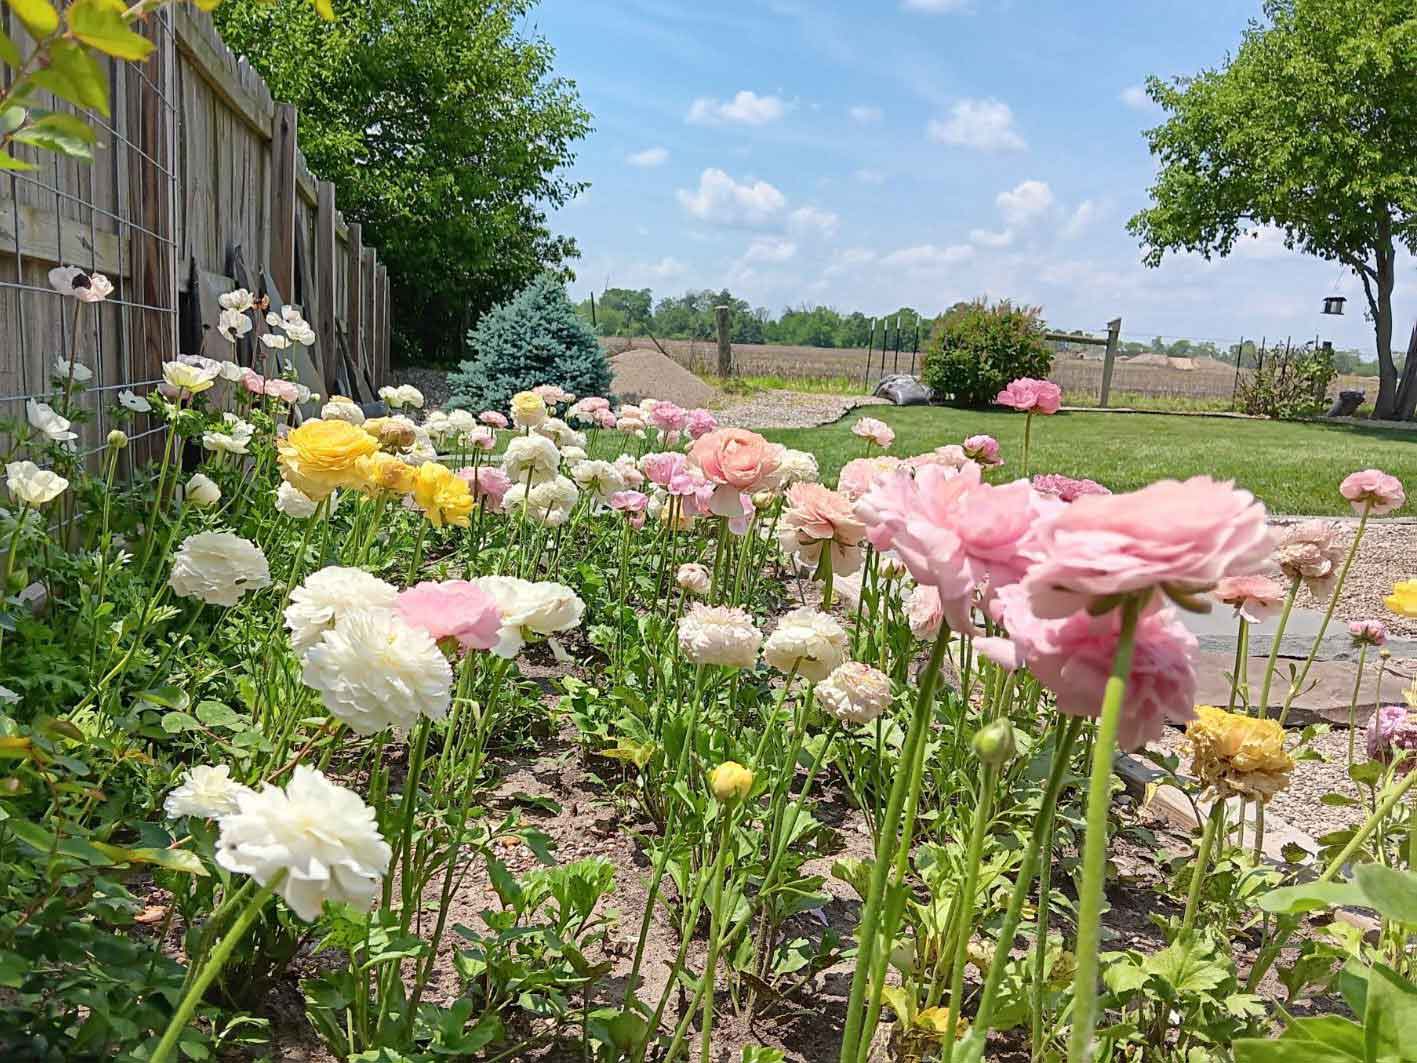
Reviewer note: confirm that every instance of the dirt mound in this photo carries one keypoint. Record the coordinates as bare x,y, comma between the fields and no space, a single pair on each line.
641,374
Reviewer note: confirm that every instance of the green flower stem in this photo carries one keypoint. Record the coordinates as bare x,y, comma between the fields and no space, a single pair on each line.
1062,756
1262,710
964,908
1353,702
10,553
211,968
1201,864
1240,672
718,560
1027,430
417,558
404,841
885,850
824,573
715,930
1094,859
103,544
161,482
1040,934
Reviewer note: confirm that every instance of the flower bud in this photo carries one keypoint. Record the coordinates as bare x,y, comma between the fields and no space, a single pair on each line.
763,499
202,492
994,743
396,436
730,781
117,439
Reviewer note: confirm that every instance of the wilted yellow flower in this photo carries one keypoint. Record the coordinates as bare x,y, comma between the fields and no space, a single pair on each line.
528,409
1238,755
730,781
320,456
393,433
384,472
1403,599
443,497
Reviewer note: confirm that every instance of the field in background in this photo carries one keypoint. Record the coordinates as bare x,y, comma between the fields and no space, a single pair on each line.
1206,387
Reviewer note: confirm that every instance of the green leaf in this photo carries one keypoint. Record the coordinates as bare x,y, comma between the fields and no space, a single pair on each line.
1310,896
62,133
171,859
759,1054
9,162
1187,965
100,24
8,52
11,118
168,697
1390,1020
1390,892
215,714
177,722
39,16
74,75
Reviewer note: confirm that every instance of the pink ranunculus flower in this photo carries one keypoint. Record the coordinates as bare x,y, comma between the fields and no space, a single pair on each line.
1373,491
1311,552
875,431
700,422
668,417
604,418
453,609
1067,488
631,503
284,390
1254,598
1180,537
984,450
663,466
488,483
552,395
1031,396
950,456
695,492
737,462
1368,632
1393,731
253,382
1073,657
481,438
856,477
493,419
924,611
817,516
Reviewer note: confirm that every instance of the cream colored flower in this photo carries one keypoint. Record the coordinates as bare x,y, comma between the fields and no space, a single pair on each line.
318,603
807,640
238,299
217,568
82,374
375,670
530,609
532,457
207,792
797,467
600,478
202,491
528,409
560,433
293,503
340,408
548,503
716,634
32,485
192,379
233,324
323,836
730,781
47,423
693,578
854,693
236,439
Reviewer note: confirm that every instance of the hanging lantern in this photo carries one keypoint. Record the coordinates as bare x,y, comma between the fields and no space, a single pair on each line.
1333,304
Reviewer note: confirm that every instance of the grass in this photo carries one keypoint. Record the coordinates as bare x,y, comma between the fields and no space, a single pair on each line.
815,385
1163,403
1294,467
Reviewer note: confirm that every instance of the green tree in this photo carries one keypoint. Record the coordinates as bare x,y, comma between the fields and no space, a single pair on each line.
446,133
1310,128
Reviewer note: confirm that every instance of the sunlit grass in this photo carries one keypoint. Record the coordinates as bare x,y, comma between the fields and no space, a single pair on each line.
743,385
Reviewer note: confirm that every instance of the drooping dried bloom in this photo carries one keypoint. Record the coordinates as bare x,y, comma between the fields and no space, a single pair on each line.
693,578
730,781
815,517
716,634
323,836
1368,632
806,641
1392,732
876,432
854,693
1238,755
1373,491
1179,537
530,610
206,791
320,456
455,609
1254,598
217,568
1310,552
30,484
1067,488
1031,396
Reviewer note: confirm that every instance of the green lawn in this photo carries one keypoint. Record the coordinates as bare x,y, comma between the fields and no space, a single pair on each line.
1294,468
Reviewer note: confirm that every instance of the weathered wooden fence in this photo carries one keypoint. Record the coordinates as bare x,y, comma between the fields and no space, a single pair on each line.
197,186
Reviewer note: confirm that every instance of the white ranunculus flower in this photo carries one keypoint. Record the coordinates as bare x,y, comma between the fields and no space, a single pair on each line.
572,456
233,324
206,791
462,420
533,456
694,578
854,693
809,640
190,378
131,400
235,440
202,491
548,503
218,568
797,467
33,485
294,503
47,423
530,609
411,396
230,372
630,472
437,425
323,836
239,300
717,634
600,478
560,433
342,409
82,373
375,670
318,603
276,341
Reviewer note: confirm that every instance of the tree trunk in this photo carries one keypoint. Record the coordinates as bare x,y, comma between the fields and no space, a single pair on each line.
1407,389
1385,408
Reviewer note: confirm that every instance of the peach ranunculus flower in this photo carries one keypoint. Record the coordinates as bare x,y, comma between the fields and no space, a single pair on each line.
1368,632
443,497
983,449
1311,552
320,456
1238,755
857,476
736,462
874,431
817,516
1031,396
1179,537
1255,598
1373,491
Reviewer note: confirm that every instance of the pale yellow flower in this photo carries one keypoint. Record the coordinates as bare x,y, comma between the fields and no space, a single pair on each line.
1238,755
730,781
528,409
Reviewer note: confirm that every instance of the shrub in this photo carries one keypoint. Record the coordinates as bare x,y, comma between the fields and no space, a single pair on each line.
976,349
1288,385
536,337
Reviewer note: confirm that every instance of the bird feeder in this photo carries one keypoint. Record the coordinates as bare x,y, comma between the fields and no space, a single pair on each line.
1333,304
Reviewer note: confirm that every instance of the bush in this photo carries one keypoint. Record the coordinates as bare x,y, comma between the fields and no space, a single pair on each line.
1288,385
976,349
536,337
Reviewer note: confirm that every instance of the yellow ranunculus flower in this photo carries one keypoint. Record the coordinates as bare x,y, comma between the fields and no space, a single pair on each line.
384,472
189,378
443,497
320,456
730,781
1237,754
1403,599
528,409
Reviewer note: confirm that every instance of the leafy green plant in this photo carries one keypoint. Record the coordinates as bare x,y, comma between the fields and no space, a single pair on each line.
1289,385
976,349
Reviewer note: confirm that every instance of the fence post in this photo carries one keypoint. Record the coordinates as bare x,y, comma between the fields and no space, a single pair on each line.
725,349
1114,333
371,315
354,304
284,192
325,282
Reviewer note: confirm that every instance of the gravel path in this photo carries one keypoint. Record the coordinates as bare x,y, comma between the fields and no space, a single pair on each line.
788,409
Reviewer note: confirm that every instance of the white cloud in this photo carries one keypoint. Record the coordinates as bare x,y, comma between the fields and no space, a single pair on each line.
870,177
928,256
1025,201
770,249
987,125
847,260
1087,212
745,108
865,113
666,267
986,238
724,201
1135,97
814,219
936,7
648,157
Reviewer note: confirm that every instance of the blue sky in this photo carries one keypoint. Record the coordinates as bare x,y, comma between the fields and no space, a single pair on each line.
873,154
